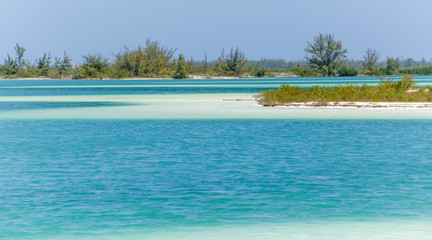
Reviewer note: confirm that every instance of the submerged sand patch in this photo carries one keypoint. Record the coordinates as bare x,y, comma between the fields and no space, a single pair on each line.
398,229
196,106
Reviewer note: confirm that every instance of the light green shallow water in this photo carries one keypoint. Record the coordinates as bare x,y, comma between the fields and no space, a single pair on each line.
194,106
391,230
255,85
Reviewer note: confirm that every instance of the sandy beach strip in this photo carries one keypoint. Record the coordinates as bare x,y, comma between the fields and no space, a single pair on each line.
393,105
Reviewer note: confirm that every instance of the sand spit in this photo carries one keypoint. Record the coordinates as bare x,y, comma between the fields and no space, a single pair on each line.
395,105
238,100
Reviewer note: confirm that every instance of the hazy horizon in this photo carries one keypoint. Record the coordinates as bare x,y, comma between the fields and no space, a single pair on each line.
274,29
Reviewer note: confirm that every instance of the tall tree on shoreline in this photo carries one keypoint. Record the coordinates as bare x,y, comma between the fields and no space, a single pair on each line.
152,60
393,65
325,54
43,64
370,61
63,65
20,61
17,65
94,66
232,64
181,72
205,64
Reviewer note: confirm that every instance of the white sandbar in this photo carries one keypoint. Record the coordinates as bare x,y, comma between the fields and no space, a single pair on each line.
195,106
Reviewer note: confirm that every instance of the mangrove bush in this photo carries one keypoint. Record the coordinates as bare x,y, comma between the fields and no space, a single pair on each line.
402,90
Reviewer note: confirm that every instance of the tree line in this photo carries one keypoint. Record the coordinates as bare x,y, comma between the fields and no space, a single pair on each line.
152,60
325,56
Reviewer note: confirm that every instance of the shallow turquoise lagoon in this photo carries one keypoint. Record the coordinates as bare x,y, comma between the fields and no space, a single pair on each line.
98,166
128,87
90,178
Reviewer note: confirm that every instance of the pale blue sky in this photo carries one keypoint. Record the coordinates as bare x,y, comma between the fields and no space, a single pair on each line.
262,29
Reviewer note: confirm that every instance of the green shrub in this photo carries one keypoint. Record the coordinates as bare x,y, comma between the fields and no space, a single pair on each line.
260,73
347,71
417,71
181,72
386,91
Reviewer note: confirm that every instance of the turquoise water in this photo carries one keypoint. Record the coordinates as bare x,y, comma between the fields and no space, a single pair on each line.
220,178
121,87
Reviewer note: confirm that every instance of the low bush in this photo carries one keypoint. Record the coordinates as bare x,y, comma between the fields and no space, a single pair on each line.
402,90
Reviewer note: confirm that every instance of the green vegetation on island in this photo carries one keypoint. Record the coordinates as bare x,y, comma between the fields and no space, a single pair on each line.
325,56
181,71
402,90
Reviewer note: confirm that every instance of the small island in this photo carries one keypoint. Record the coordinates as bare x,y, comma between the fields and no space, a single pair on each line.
390,94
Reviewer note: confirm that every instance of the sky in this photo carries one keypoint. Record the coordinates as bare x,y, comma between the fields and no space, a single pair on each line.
275,29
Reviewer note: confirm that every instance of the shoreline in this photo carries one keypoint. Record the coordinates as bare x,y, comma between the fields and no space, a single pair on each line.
191,77
388,105
116,79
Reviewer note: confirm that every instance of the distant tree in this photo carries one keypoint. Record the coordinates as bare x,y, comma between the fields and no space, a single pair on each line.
393,65
205,66
258,71
181,70
304,72
43,65
10,66
152,60
15,65
20,61
422,62
189,65
409,63
63,65
370,62
347,71
325,54
94,66
232,64
417,71
279,63
357,64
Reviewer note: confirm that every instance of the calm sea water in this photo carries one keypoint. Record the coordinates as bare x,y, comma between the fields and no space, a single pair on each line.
139,179
119,87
